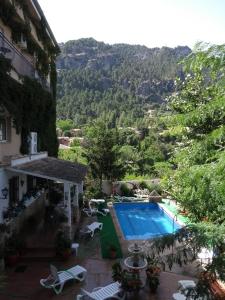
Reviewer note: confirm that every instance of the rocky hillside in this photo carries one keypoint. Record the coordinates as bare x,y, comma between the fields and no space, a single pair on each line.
119,82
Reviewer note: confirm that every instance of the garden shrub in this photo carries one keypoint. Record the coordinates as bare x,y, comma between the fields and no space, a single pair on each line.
143,185
125,191
155,186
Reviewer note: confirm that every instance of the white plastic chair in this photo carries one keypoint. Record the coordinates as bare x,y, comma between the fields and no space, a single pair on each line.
56,280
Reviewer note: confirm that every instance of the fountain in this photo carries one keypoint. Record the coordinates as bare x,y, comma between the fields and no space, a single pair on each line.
136,261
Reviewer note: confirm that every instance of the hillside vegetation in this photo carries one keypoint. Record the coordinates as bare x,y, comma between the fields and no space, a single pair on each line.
118,82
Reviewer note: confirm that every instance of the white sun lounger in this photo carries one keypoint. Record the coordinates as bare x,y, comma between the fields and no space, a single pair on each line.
103,211
93,211
97,201
179,296
106,292
92,227
90,211
186,284
205,256
56,280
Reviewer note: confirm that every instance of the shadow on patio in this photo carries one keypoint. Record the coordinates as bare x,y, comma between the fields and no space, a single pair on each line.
23,281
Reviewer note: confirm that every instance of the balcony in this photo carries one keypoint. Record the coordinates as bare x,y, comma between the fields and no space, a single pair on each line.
19,62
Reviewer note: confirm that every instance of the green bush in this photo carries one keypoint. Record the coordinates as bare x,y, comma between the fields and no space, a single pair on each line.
143,185
93,192
156,187
67,133
75,143
125,191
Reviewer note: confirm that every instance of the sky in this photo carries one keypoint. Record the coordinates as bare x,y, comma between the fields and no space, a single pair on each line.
153,23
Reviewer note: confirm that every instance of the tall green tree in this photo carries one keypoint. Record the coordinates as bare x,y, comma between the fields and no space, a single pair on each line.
102,153
199,105
198,181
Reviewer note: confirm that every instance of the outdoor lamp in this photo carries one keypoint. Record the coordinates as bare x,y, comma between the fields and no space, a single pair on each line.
4,193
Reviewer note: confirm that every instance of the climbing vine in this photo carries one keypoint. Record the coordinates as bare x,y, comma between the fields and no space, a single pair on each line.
8,14
32,109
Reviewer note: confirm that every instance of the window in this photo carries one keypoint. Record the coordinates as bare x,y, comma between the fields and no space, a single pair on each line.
2,130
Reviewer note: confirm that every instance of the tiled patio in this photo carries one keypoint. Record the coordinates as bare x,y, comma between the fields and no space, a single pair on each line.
26,284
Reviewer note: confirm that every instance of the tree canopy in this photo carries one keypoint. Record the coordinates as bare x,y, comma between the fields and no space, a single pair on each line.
196,126
101,152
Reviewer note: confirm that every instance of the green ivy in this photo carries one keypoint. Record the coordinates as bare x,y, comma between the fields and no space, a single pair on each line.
32,109
9,17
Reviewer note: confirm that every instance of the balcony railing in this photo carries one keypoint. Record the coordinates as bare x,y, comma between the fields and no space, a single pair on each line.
19,62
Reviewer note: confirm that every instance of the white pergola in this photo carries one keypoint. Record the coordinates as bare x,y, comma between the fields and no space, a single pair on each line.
71,175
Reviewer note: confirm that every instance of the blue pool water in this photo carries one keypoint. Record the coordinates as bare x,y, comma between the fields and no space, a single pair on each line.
140,221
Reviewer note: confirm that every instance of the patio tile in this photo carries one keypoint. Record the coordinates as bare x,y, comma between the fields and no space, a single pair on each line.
26,285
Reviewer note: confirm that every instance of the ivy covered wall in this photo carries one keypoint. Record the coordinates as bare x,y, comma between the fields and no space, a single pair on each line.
8,15
32,109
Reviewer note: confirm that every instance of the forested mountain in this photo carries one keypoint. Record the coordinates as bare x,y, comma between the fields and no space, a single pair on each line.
119,82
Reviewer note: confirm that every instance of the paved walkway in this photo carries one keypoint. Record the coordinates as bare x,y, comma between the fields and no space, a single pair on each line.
23,283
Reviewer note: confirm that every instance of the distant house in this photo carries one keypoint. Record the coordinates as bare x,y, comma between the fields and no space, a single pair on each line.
76,132
27,118
64,140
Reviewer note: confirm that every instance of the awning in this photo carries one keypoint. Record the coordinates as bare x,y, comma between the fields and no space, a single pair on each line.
53,169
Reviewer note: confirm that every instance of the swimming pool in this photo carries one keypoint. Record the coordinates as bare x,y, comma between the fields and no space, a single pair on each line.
140,221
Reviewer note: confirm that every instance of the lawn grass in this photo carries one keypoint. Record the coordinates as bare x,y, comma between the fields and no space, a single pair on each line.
173,208
108,237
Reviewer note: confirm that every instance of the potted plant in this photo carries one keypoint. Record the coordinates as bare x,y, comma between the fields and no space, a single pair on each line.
12,250
153,278
152,273
129,280
117,272
63,244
